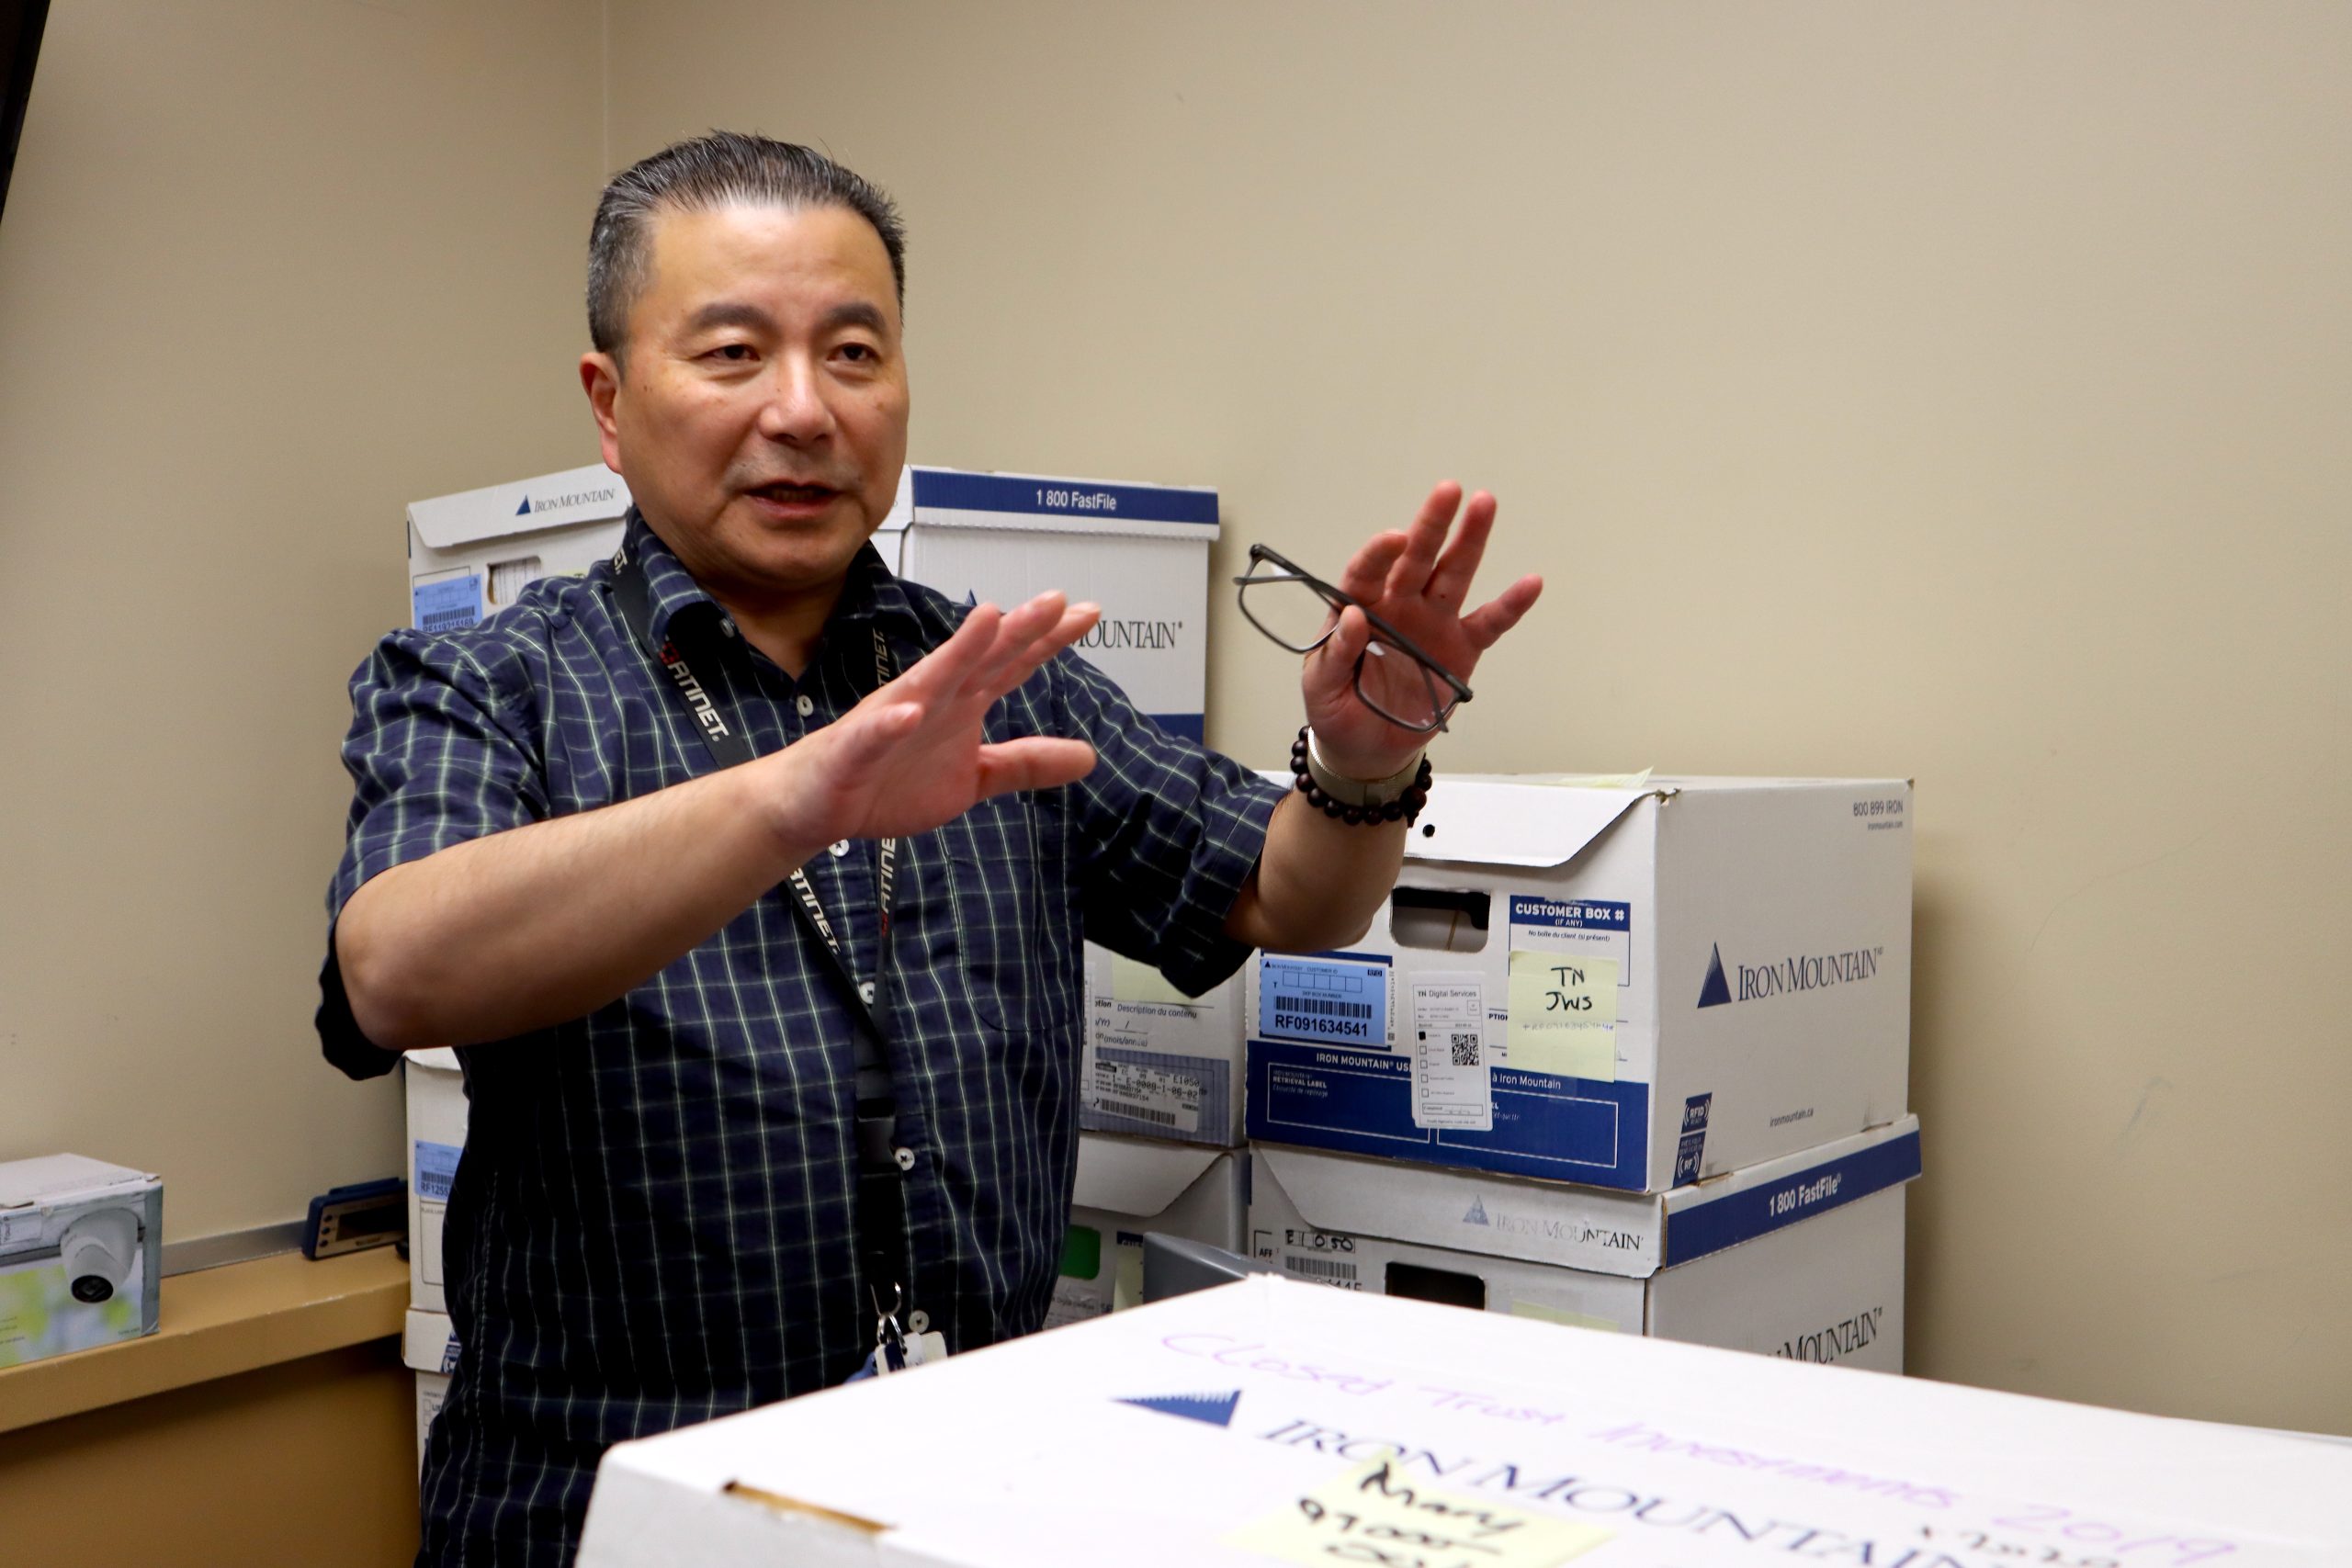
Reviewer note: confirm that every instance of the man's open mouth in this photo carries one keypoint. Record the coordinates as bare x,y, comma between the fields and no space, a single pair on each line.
785,495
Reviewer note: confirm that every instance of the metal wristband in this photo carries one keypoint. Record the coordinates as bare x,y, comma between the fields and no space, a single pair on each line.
1360,792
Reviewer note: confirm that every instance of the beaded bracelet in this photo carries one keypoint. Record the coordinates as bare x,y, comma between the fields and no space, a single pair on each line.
1406,807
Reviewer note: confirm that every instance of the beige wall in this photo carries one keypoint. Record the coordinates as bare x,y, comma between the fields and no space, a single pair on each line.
1952,390
268,270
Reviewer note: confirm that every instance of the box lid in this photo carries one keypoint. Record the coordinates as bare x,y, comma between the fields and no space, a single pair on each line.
958,498
1593,1228
54,1178
1137,1176
1150,1436
1488,822
590,494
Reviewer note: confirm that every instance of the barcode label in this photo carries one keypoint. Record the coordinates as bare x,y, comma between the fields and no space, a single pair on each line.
1141,1112
1329,1006
1319,1267
1466,1050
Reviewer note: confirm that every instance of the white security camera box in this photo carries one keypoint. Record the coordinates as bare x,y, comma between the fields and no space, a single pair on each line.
1128,1186
470,554
429,1347
1159,1063
81,1256
1631,988
1268,1422
1800,1256
437,1137
1141,551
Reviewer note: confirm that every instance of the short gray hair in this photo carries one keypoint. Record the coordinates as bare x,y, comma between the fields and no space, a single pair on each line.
725,168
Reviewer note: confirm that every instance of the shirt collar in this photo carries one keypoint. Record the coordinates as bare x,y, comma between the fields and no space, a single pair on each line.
869,592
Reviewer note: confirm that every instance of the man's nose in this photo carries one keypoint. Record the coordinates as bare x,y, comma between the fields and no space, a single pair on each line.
796,410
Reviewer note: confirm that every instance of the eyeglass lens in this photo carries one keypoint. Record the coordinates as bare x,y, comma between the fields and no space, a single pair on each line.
1392,682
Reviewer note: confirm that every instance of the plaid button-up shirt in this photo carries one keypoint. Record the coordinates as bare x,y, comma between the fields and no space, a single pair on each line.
652,1221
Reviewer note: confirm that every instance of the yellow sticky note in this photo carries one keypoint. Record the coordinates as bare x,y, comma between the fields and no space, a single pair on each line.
1376,1513
1543,1314
1564,1015
1133,982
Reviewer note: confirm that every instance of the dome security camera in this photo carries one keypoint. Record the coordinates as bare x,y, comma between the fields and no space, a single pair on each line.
97,1248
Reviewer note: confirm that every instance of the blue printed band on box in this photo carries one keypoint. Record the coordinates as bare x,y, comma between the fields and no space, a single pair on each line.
948,489
1560,1129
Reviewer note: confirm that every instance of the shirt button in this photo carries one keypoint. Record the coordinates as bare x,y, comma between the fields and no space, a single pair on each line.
919,1320
839,848
905,1158
726,625
803,706
866,993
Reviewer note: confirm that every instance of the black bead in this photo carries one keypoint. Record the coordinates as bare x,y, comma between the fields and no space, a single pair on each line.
1353,816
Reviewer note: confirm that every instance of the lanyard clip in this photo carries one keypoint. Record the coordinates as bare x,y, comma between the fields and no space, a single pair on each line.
888,1336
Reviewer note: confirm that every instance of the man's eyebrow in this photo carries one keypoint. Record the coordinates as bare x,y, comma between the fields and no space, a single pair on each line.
857,314
729,313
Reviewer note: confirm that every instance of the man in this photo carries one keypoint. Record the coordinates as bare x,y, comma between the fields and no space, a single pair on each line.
773,1064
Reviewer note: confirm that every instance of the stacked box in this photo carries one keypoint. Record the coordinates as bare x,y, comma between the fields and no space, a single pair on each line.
1158,1063
430,1348
1635,988
1800,1256
470,555
1628,1057
1128,1186
1263,1422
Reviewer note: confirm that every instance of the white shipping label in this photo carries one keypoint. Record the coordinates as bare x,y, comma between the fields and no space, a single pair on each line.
1451,1082
1164,1098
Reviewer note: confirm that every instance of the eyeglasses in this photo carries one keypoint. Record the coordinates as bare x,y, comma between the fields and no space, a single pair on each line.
1300,611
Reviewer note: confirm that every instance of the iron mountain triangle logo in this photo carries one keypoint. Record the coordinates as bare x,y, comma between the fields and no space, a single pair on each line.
1716,991
1216,1409
524,509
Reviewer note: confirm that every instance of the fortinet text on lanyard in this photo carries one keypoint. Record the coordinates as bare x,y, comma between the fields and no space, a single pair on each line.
729,747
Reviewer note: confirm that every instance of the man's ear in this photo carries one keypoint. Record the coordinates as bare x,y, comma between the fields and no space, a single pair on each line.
600,377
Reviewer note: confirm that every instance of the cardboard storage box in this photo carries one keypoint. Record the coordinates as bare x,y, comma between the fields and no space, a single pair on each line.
1628,988
470,554
429,1347
1159,1063
1141,551
1800,1256
1267,1422
1128,1186
436,1135
81,1256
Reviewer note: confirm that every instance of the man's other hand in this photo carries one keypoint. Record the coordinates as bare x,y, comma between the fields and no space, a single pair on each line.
1417,581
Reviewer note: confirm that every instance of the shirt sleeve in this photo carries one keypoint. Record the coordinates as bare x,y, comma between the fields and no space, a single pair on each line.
443,747
1168,831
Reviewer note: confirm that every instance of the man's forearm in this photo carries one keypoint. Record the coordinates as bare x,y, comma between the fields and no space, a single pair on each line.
1320,881
523,929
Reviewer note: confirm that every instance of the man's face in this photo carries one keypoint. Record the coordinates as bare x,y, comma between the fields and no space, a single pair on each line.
760,416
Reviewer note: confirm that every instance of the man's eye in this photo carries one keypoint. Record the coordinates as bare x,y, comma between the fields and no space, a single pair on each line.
858,353
734,352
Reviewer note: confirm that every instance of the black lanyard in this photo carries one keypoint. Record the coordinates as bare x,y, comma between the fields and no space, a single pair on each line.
882,1164
729,745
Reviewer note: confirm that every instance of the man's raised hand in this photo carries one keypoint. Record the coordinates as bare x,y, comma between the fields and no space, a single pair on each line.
1418,580
911,756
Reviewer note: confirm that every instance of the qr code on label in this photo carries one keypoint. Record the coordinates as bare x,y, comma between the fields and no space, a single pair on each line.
1466,1050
